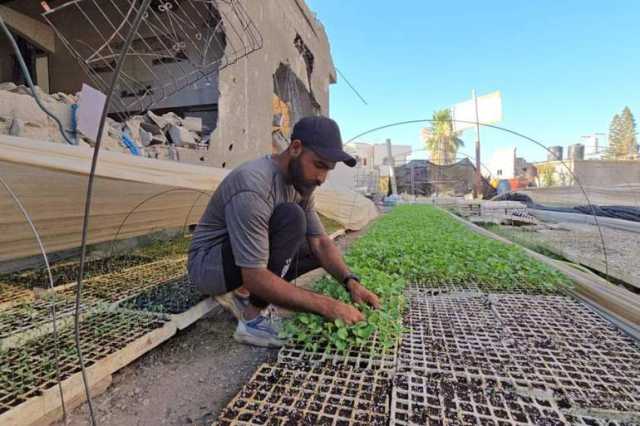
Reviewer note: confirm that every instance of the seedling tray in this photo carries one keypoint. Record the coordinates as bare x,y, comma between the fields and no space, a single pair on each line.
174,297
35,317
67,271
110,340
12,294
532,341
130,282
370,355
180,300
296,394
436,286
446,399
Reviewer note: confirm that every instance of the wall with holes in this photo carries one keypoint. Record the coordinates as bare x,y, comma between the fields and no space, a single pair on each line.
247,87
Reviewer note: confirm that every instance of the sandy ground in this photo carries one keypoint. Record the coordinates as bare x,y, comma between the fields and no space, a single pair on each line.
584,243
187,380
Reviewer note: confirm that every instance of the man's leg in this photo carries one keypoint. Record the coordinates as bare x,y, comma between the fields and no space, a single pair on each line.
287,231
304,261
290,255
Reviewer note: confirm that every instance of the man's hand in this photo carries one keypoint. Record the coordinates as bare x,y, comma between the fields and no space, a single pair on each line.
360,294
344,312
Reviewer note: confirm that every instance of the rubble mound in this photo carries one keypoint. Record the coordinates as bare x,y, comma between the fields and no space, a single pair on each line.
166,137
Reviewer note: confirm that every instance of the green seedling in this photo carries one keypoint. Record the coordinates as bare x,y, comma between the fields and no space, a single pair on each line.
416,244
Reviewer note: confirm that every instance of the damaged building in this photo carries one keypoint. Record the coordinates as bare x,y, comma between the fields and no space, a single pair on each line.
205,82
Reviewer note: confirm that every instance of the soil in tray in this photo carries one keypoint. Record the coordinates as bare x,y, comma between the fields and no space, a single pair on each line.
173,298
445,399
29,369
67,272
294,393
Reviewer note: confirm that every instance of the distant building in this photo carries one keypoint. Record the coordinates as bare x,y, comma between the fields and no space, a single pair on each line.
502,164
595,145
505,164
372,156
603,173
373,164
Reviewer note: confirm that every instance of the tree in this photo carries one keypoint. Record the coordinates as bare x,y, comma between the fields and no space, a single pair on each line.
441,140
614,138
623,142
546,175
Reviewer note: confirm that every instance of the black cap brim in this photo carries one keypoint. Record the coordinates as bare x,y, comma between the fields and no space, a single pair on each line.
335,155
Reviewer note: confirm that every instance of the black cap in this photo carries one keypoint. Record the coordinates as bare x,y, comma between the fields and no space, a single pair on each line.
322,136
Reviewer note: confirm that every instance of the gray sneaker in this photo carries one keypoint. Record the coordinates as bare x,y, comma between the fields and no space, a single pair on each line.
260,331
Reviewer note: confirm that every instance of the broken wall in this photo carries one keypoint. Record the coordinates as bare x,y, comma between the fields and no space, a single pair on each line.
246,87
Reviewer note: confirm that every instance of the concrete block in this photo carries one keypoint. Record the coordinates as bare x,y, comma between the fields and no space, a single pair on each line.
65,98
180,136
133,126
24,107
146,138
193,124
17,127
158,136
157,120
172,118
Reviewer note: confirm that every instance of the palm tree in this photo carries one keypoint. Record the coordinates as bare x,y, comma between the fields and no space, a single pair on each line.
441,140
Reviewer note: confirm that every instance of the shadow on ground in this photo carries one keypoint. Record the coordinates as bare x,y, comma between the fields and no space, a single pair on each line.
187,380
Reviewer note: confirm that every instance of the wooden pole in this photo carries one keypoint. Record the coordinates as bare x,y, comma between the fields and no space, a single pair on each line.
392,177
477,191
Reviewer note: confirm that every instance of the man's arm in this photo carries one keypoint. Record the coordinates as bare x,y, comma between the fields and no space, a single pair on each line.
268,286
331,260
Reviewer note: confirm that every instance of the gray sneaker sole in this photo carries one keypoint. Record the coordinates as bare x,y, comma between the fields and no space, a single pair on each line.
263,342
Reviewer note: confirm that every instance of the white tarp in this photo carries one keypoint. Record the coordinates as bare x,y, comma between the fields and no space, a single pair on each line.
489,111
91,105
51,181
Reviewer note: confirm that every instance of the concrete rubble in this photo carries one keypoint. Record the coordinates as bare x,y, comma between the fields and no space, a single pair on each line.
165,137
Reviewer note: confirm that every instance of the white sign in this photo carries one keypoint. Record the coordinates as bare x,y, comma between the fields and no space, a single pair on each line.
90,109
489,111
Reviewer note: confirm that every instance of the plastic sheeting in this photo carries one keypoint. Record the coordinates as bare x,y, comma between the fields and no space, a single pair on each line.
615,212
133,196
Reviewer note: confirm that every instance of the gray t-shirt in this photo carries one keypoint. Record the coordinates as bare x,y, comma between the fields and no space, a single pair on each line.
239,211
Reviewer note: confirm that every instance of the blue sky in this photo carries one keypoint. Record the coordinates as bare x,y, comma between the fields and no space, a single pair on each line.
564,67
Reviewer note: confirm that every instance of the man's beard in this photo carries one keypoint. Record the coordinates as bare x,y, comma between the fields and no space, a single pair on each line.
296,177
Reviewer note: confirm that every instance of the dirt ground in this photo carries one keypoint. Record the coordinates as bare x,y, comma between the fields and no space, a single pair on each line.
583,243
188,379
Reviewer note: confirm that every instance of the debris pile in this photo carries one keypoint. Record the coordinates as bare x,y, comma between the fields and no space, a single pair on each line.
20,115
165,137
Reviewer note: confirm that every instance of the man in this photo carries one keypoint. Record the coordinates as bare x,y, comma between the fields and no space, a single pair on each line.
260,231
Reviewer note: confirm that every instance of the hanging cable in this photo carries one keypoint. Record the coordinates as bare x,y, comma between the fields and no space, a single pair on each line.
351,86
27,77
